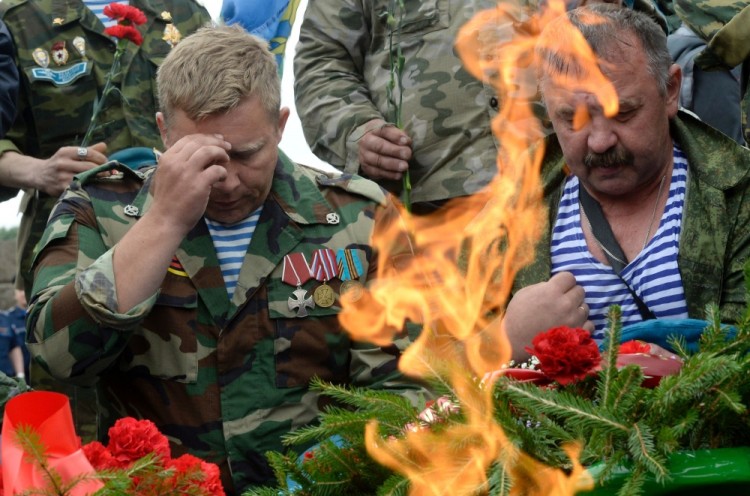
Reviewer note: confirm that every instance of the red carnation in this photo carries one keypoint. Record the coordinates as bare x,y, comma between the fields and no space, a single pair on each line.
121,13
98,456
565,354
203,474
634,346
131,439
122,32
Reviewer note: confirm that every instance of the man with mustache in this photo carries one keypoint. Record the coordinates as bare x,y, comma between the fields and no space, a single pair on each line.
647,205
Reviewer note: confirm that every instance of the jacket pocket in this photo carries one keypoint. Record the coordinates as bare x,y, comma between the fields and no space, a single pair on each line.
419,17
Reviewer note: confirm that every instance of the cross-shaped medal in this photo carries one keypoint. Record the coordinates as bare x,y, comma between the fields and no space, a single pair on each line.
300,301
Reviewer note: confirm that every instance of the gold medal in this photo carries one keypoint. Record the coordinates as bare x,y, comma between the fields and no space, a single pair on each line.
352,290
324,296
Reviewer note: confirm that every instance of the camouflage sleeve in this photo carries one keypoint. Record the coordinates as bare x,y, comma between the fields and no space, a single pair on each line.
73,330
331,94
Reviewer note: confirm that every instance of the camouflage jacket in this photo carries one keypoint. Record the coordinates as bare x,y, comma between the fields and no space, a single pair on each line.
224,380
58,92
715,237
342,69
723,25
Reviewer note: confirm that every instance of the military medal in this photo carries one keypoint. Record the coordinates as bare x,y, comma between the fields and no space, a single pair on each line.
296,272
41,57
80,45
172,35
60,53
324,269
349,270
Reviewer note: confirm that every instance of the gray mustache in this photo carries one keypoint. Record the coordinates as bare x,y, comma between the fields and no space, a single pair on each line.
611,158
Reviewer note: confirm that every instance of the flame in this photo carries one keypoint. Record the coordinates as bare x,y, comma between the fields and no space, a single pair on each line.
463,259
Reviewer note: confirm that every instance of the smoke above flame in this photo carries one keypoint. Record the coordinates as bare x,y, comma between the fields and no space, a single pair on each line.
457,279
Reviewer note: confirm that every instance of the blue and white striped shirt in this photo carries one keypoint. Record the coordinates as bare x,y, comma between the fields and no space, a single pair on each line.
97,7
231,242
653,274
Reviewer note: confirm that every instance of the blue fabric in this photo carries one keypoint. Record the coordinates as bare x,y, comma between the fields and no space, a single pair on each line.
135,157
658,331
269,19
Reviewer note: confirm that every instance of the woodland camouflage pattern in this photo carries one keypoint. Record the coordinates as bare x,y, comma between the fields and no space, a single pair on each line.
715,237
725,26
54,115
341,70
223,380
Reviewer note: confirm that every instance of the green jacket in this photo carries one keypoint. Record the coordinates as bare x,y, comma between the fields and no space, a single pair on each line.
715,237
56,101
224,380
342,69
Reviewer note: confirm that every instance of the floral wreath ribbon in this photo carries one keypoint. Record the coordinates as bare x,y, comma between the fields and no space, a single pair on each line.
49,415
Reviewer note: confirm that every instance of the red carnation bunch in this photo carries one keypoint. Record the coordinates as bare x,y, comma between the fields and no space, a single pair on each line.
127,18
131,440
565,354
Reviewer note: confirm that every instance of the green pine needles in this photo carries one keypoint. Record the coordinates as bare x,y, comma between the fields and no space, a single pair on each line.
627,433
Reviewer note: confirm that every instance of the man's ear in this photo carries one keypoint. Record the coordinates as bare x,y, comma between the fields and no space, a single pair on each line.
162,124
283,117
674,83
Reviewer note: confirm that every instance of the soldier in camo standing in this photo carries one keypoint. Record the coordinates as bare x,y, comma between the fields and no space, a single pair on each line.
63,56
723,63
204,293
342,67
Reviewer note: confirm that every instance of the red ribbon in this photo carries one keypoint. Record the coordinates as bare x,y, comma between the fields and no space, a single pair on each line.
295,270
324,266
49,415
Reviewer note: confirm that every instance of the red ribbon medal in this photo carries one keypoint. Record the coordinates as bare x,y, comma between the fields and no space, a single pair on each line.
296,272
324,269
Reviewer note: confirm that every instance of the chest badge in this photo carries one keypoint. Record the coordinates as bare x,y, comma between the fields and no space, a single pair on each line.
80,45
332,218
131,211
60,53
41,57
172,35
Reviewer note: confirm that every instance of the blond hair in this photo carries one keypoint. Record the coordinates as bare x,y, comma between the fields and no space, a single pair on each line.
214,69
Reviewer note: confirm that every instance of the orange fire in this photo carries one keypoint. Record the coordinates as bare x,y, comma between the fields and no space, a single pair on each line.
457,281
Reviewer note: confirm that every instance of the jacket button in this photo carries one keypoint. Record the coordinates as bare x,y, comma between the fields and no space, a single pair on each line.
493,102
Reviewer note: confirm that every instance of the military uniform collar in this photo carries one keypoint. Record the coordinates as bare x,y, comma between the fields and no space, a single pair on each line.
298,194
700,143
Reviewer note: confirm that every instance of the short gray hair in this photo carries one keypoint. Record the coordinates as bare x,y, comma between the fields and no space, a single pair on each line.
214,69
602,26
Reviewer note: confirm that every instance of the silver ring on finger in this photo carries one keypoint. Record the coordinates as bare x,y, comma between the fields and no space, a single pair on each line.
82,152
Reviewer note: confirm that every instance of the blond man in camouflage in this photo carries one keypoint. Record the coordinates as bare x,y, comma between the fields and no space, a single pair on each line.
136,291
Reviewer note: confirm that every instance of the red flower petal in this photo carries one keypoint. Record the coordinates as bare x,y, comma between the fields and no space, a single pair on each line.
634,346
131,439
125,13
122,32
565,354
